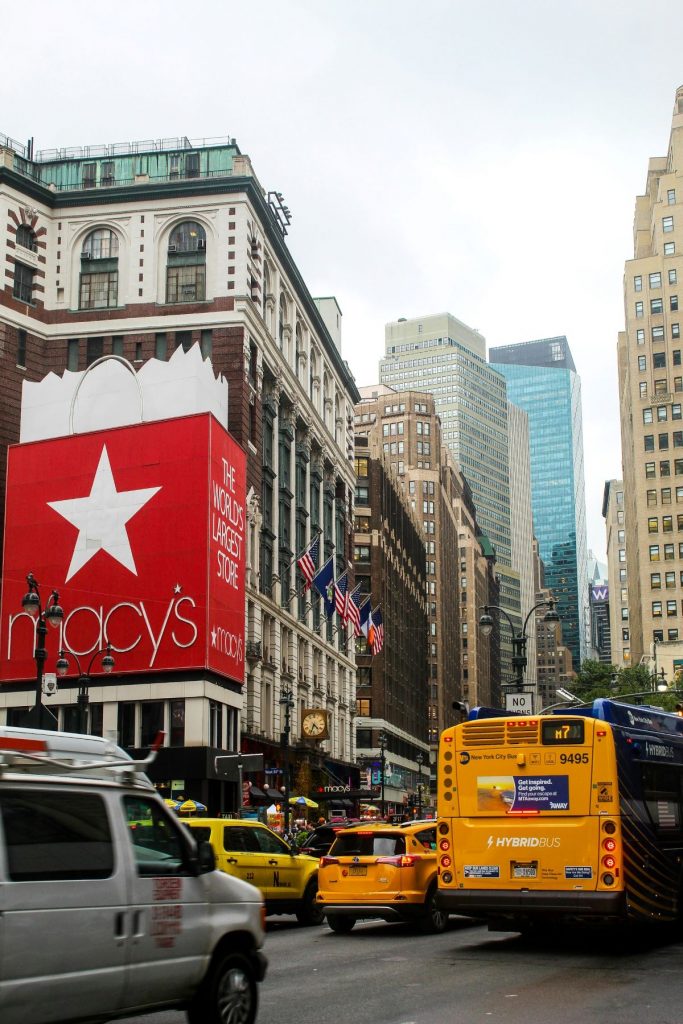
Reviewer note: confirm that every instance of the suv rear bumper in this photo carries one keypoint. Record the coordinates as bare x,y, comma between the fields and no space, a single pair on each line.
556,903
381,911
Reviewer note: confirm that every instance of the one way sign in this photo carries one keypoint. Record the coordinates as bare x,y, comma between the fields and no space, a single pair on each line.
522,703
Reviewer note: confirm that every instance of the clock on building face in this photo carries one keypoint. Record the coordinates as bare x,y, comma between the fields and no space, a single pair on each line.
314,724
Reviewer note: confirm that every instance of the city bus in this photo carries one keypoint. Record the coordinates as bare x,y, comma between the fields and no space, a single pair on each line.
574,815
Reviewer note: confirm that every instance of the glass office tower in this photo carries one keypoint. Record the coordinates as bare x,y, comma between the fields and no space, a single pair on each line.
542,380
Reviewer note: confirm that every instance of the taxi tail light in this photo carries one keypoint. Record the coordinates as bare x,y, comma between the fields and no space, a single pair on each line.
326,861
401,861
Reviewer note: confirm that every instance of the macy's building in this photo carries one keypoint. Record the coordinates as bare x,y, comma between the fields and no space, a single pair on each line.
167,517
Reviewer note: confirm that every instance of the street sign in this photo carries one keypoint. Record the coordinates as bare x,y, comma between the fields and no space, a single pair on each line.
522,703
231,766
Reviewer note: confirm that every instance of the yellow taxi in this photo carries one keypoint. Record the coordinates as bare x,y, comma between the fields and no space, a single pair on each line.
288,880
381,871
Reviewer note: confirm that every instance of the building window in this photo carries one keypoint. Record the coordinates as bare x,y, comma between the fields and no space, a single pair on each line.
655,581
658,334
667,225
664,468
653,524
654,552
659,360
21,347
89,178
661,386
675,330
671,196
656,306
183,339
671,607
99,270
637,283
206,344
655,280
669,580
643,388
642,363
661,413
669,552
666,495
673,303
647,415
672,276
26,238
669,248
667,521
651,498
72,354
117,345
657,609
94,349
23,283
649,442
160,345
186,267
639,309
650,470
640,336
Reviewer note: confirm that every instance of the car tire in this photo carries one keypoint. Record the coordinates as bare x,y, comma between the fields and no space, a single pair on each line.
340,925
433,920
311,911
228,996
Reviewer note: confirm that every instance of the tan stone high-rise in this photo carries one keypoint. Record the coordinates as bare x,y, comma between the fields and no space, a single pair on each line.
651,400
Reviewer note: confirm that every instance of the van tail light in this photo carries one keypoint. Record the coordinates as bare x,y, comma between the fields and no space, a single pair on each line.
404,861
326,861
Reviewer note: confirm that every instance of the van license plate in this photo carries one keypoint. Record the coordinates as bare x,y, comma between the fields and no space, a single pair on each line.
358,869
523,870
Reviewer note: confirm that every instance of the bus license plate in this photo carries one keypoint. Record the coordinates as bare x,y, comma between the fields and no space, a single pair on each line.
524,870
358,869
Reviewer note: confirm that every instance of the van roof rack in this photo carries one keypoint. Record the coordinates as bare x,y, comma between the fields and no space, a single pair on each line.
38,751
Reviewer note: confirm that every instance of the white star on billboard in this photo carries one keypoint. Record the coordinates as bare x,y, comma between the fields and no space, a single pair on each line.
101,518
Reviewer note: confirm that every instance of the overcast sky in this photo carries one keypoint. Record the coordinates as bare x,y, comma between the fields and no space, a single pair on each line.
480,159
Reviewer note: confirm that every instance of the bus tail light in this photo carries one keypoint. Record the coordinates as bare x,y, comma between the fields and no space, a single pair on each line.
607,879
447,877
443,828
609,827
609,862
609,844
444,844
445,861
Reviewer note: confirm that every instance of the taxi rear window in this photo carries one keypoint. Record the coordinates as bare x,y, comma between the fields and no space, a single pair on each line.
372,844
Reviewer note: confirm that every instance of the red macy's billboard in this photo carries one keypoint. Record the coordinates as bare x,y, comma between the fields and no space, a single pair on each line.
141,530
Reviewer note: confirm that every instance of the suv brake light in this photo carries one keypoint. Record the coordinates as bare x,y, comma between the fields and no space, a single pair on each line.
401,861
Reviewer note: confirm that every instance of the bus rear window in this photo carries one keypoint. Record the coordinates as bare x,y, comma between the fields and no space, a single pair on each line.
561,731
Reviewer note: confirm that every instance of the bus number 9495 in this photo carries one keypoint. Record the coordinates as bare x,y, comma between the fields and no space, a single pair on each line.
573,758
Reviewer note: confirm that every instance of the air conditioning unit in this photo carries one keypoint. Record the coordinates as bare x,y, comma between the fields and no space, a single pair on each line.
173,248
86,255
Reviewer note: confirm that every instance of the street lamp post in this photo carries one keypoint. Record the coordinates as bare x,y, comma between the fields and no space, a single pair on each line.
52,614
83,698
382,763
519,660
287,704
420,762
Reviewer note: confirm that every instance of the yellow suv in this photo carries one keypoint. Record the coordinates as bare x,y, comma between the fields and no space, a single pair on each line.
287,879
383,871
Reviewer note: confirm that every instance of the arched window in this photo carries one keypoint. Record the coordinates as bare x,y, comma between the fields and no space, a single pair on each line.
282,320
26,238
99,281
186,267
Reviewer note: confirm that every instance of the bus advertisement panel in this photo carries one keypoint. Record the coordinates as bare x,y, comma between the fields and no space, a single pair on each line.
575,814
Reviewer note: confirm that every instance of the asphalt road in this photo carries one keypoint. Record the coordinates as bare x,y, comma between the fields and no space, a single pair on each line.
390,974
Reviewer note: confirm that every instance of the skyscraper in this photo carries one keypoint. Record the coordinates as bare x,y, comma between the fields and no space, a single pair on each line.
542,380
443,356
650,389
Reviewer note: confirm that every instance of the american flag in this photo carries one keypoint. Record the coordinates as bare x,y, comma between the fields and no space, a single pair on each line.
378,631
355,599
308,562
341,596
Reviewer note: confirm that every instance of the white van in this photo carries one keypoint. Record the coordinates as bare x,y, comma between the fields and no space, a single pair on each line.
108,907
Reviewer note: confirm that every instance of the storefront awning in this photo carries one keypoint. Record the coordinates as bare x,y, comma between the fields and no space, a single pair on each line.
256,793
273,794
